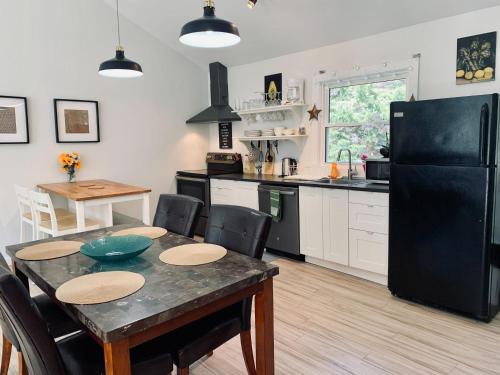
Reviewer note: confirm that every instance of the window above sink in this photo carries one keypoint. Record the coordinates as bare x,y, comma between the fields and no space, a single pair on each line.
357,106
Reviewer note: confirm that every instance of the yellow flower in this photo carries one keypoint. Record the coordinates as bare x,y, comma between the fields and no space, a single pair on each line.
78,165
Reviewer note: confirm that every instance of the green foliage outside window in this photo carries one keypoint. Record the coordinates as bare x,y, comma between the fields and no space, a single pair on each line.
367,105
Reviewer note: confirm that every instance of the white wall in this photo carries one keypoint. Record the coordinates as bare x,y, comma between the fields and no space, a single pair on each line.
436,41
52,49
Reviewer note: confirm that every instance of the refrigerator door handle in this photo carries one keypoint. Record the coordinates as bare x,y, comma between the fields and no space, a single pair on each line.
485,114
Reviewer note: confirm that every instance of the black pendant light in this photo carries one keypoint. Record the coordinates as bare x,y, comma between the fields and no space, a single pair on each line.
120,66
209,31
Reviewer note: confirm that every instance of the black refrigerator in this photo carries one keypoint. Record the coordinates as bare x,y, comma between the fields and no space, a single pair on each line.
444,224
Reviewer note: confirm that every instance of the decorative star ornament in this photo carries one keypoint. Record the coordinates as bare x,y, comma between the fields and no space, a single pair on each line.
314,113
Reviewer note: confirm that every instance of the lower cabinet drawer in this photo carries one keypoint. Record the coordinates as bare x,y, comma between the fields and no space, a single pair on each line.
369,218
368,251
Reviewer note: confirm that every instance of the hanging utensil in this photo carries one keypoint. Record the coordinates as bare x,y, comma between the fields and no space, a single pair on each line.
276,146
269,158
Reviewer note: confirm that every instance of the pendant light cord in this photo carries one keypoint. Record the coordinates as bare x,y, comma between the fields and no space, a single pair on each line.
118,24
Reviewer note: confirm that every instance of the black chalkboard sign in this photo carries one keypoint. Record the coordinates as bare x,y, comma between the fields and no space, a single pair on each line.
225,135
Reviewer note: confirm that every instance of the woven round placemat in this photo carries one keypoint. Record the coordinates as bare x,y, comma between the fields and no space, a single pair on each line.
100,287
151,232
193,254
49,250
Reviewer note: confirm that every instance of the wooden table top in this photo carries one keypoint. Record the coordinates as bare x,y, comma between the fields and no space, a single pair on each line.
92,189
169,292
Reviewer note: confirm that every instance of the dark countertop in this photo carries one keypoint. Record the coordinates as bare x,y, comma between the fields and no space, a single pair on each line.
169,291
275,180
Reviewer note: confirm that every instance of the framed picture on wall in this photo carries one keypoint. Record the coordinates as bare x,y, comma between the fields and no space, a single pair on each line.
476,58
273,88
77,121
13,120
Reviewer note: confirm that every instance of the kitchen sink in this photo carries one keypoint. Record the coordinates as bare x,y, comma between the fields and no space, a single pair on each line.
342,181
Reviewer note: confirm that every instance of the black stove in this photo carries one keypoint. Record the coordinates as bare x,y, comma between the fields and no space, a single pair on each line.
201,173
196,183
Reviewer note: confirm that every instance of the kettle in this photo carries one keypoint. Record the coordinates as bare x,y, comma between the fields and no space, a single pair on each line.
288,167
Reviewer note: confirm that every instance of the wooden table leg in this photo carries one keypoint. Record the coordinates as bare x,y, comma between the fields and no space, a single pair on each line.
6,352
264,329
24,279
117,358
22,369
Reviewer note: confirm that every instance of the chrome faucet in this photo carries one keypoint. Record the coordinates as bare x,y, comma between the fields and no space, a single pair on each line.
350,172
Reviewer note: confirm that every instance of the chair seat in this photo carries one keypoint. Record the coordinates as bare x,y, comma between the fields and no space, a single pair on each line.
58,323
191,342
60,213
67,223
81,355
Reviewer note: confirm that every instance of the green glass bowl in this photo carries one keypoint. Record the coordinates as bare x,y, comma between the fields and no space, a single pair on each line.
116,248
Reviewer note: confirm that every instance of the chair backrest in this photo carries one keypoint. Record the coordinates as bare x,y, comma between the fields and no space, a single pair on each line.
178,213
38,347
41,202
239,229
24,201
242,230
7,329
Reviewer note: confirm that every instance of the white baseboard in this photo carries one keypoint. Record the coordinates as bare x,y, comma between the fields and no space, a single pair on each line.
367,275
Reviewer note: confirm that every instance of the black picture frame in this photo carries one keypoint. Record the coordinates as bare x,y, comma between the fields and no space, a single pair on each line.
225,135
476,58
57,121
25,100
278,81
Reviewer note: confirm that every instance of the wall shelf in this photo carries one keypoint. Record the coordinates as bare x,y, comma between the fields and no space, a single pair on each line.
275,108
292,138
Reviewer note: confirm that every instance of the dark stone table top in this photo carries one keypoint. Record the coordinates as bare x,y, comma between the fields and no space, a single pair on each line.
169,291
360,185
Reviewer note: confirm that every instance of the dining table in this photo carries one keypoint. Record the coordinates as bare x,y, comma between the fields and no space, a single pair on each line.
95,193
171,297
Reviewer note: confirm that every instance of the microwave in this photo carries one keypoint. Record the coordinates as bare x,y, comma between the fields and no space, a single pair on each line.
378,170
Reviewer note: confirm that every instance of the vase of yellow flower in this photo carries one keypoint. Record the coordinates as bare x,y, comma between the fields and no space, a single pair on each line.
70,162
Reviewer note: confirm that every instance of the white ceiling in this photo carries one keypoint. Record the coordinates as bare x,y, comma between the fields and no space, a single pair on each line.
280,27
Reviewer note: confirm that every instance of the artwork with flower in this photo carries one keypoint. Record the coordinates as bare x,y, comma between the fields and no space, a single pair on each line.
70,162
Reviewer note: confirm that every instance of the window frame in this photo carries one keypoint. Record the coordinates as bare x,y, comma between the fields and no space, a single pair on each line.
405,69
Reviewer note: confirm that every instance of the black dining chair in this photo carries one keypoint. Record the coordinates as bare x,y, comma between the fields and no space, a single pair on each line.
58,323
245,231
77,354
178,214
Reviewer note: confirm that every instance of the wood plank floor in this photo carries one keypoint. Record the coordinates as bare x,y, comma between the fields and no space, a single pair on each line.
330,323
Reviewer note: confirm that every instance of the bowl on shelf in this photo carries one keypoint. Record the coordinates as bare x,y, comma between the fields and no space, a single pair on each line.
289,131
279,130
116,248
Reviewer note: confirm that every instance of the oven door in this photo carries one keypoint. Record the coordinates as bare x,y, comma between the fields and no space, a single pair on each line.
195,187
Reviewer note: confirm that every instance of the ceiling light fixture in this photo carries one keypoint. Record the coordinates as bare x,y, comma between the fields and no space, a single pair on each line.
251,3
120,66
209,31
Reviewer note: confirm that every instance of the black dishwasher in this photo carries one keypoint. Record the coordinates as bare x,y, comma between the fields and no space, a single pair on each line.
284,237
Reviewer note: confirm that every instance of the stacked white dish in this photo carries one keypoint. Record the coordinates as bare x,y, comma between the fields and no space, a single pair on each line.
289,132
268,132
252,133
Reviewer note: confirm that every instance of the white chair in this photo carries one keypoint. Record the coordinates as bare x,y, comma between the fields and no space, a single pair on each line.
25,211
47,220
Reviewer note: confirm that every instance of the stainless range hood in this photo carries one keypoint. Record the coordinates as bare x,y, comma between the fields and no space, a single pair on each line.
219,110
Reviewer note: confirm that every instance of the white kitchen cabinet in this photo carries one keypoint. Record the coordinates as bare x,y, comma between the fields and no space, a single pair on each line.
311,221
247,194
335,226
368,251
369,217
370,198
238,193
